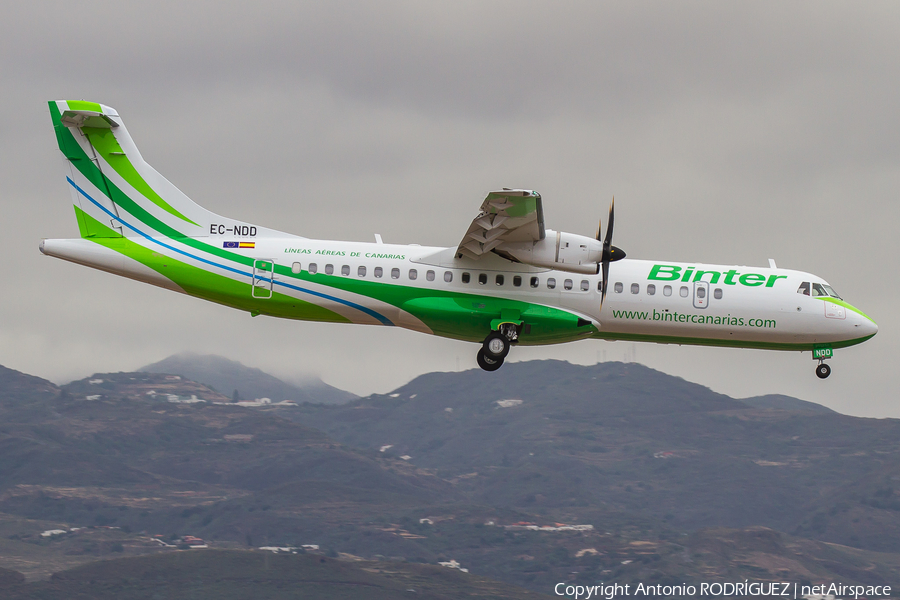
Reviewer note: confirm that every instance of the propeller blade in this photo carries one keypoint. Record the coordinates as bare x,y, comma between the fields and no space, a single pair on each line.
608,250
607,243
605,268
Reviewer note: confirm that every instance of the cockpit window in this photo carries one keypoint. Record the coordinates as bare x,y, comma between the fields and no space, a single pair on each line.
831,292
818,290
823,289
804,288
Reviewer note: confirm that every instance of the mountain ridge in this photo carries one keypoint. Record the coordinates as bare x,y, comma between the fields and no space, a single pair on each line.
540,473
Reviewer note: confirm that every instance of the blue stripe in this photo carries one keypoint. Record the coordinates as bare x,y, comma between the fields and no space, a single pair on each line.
384,320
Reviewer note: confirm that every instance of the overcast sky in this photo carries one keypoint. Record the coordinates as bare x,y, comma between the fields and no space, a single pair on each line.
727,132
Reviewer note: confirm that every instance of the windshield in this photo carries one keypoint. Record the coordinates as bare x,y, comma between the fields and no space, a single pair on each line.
819,289
831,291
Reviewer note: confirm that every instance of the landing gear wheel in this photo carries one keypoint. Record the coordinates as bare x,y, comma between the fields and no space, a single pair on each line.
823,371
496,346
487,363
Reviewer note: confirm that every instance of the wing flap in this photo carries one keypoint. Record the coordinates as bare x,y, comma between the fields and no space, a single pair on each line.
506,216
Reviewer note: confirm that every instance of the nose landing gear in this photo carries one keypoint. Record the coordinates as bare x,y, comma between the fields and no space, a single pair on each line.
496,346
820,354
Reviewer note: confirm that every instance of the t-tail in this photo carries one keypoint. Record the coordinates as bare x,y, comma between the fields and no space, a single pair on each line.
116,193
118,196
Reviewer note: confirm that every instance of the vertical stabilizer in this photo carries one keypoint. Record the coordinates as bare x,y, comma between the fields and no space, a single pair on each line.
115,192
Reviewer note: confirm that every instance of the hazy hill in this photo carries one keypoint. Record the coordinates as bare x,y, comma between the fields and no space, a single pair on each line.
227,376
16,386
622,437
783,402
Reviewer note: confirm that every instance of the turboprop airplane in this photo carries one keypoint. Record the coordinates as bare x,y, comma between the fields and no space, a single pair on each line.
509,281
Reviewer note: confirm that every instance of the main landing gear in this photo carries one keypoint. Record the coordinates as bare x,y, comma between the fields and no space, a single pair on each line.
496,346
823,370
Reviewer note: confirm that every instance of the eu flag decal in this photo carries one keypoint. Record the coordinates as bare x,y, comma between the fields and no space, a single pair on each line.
239,244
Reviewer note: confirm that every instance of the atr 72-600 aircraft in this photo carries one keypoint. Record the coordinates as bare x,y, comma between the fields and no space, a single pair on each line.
509,281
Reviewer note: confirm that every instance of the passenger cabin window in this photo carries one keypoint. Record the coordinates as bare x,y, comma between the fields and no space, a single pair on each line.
804,288
482,278
498,280
567,284
429,275
619,287
683,291
551,283
635,288
448,276
313,267
361,271
395,273
517,281
466,277
717,293
667,290
295,268
345,270
413,274
585,285
535,282
329,269
701,292
651,289
378,272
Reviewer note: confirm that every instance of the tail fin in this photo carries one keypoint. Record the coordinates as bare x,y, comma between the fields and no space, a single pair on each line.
115,192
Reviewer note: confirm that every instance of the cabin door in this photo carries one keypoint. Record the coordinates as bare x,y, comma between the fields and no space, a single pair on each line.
701,294
262,279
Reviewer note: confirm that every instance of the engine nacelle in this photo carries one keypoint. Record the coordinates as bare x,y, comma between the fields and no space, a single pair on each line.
558,250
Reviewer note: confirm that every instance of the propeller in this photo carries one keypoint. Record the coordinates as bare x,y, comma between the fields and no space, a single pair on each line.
610,252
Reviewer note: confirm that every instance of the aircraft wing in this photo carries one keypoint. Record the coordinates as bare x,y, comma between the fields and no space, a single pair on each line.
506,216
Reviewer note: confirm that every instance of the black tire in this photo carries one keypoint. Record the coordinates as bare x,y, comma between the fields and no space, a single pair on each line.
499,341
487,363
823,371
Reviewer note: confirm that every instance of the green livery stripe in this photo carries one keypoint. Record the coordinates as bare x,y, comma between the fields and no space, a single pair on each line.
455,314
211,286
696,341
846,305
82,222
461,316
104,142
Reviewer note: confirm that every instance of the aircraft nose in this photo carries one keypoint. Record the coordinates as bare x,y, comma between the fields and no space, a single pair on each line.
869,327
865,326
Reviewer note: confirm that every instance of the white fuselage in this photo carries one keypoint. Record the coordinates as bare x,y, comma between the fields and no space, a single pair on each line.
657,301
